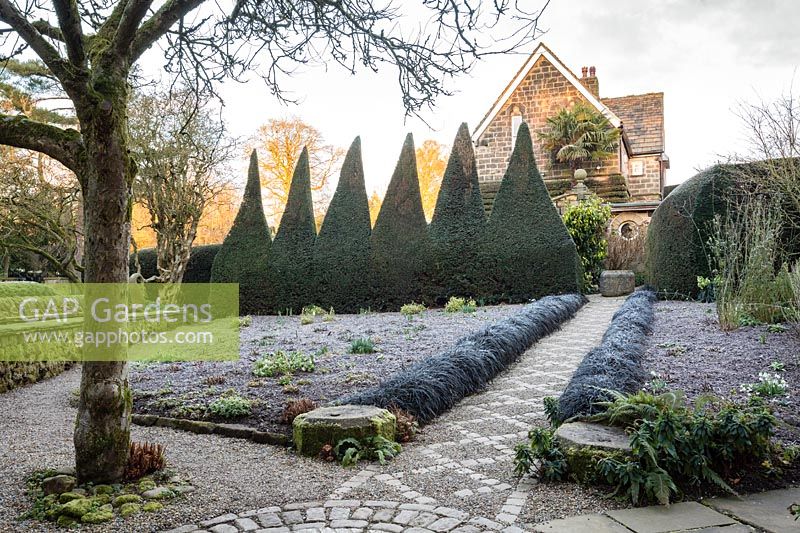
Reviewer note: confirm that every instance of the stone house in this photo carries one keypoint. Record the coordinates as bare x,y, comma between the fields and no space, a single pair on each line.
631,180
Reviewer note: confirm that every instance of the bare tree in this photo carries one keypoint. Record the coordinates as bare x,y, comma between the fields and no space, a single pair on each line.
90,47
39,211
279,143
181,150
772,129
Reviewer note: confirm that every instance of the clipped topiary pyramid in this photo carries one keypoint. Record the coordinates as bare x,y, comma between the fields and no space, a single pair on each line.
400,244
532,251
243,257
680,228
292,257
458,224
342,248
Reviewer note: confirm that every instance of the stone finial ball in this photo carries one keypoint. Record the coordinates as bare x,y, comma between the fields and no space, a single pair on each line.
580,174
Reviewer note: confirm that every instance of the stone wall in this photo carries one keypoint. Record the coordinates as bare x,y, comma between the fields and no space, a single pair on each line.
647,185
542,93
13,375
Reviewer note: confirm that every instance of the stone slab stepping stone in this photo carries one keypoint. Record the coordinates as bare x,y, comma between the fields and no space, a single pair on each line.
767,510
589,523
676,517
329,425
617,282
735,528
585,443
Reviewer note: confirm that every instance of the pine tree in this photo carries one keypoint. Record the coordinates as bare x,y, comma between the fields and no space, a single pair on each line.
244,255
458,224
400,244
532,251
292,258
341,251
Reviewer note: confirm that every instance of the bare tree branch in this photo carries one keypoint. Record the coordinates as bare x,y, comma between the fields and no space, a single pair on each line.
48,30
70,22
64,145
158,25
46,52
132,16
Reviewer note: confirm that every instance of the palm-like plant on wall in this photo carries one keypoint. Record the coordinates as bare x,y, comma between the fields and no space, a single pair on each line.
579,134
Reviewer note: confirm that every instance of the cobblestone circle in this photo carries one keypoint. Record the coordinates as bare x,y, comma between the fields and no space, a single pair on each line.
458,476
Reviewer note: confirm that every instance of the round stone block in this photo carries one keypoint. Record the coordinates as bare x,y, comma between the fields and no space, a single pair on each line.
329,425
585,443
617,282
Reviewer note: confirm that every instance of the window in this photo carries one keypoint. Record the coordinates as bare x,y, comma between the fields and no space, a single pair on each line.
637,168
516,122
628,230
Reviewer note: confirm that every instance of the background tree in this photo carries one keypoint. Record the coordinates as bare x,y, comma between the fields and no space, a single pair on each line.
40,202
182,151
279,143
431,162
90,47
375,202
772,129
40,212
579,134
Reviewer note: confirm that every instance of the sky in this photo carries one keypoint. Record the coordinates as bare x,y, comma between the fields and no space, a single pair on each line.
707,56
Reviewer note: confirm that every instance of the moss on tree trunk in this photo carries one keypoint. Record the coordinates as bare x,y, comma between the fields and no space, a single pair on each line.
102,428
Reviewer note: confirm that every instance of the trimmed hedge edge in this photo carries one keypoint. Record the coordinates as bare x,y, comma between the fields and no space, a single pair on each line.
431,386
616,364
199,427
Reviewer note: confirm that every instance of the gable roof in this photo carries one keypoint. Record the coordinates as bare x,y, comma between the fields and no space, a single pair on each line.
542,51
642,121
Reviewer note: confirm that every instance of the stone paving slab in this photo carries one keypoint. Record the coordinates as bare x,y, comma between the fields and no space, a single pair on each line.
735,528
589,523
676,517
768,510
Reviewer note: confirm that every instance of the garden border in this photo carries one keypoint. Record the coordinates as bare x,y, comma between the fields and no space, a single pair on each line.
616,363
431,386
201,427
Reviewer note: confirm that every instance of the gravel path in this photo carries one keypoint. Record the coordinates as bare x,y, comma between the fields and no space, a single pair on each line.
167,389
691,353
459,472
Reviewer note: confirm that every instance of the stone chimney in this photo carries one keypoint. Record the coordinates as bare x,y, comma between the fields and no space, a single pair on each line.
589,80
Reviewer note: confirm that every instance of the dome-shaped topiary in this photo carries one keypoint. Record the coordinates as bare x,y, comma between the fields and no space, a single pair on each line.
292,256
244,255
458,224
400,245
341,251
677,236
532,251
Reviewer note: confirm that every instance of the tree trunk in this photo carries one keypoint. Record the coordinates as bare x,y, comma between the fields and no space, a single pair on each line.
102,429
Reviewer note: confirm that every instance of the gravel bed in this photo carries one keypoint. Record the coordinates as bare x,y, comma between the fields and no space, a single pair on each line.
168,388
229,474
691,353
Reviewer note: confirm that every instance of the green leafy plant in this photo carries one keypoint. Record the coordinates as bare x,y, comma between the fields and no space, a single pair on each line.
362,345
706,288
310,313
412,309
231,405
350,451
579,134
540,455
280,362
676,446
460,305
550,404
330,316
587,222
777,366
245,321
795,510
